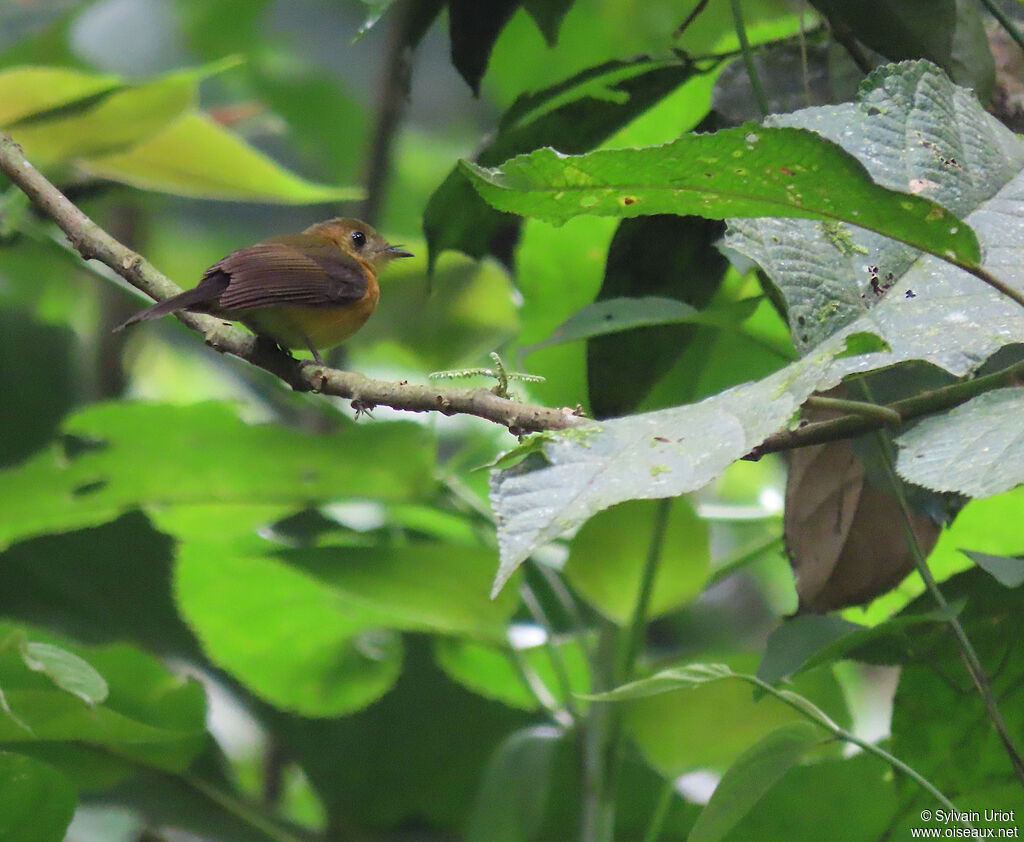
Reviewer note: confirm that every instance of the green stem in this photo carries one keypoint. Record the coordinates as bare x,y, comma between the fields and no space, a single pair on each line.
239,809
554,653
624,661
598,741
638,621
742,559
972,662
880,412
987,277
660,813
748,58
909,409
819,717
1004,21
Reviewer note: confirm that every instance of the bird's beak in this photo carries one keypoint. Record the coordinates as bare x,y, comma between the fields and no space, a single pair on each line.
397,251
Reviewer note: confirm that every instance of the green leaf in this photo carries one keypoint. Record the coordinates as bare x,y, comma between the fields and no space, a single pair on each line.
515,788
150,715
910,129
87,585
948,32
66,670
678,450
750,778
614,315
749,171
1007,571
51,492
815,801
649,456
574,115
490,671
431,587
665,256
114,122
936,705
395,759
608,554
473,28
690,676
35,369
27,90
36,801
941,451
548,14
690,718
288,637
812,640
195,156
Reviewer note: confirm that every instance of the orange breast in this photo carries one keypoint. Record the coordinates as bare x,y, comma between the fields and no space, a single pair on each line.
322,327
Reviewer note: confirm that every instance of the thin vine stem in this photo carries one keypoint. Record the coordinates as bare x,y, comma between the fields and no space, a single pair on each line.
748,58
1004,21
657,822
819,717
972,662
554,653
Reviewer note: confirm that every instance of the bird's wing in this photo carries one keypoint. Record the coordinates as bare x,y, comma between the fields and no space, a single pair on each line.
308,274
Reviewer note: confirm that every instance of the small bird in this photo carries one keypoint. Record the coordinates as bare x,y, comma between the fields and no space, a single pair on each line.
309,290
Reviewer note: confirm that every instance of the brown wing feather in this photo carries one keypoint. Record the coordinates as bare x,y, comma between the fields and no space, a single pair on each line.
272,273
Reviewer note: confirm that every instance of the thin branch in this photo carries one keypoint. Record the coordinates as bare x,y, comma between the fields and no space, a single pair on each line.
909,409
392,97
93,243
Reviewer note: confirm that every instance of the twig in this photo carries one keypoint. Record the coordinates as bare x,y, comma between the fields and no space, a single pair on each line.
868,410
690,18
909,409
93,243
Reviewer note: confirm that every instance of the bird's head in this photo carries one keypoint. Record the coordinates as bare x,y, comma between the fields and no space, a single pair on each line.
358,239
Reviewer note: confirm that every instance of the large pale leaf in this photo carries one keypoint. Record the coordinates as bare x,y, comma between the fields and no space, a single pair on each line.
656,454
975,449
935,312
913,130
195,156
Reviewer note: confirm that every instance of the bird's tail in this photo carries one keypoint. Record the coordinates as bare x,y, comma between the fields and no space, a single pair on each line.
182,301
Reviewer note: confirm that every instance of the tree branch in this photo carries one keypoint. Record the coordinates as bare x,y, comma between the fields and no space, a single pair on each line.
93,243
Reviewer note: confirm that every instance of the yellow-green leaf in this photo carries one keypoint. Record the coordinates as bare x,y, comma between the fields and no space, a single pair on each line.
114,122
195,156
27,90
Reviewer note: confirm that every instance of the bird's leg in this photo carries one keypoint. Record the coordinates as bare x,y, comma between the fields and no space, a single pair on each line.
316,354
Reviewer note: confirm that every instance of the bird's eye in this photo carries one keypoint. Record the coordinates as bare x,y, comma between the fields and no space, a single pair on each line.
358,239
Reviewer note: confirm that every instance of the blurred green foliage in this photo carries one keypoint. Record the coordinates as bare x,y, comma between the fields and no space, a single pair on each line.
240,612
